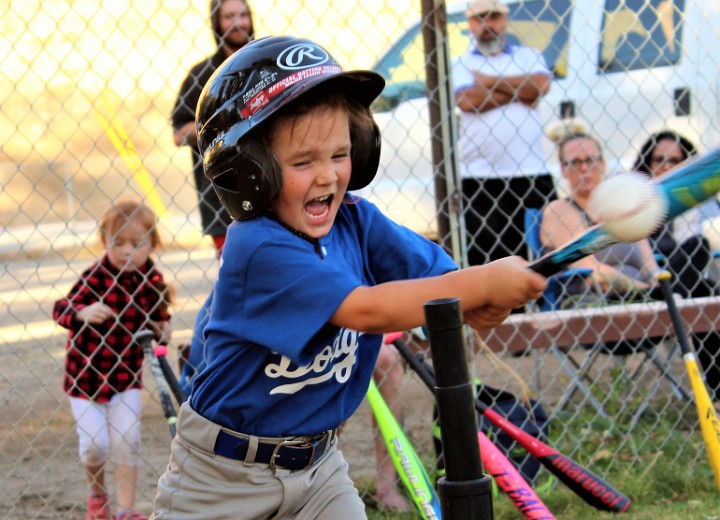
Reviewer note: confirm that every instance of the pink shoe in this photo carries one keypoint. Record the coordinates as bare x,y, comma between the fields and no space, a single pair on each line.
98,507
129,515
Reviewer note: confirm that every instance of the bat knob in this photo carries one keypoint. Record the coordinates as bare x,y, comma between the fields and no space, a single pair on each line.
392,336
143,335
161,350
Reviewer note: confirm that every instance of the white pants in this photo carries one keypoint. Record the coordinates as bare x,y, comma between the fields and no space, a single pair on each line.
111,428
200,484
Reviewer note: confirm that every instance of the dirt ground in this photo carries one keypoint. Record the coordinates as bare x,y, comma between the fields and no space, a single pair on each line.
40,474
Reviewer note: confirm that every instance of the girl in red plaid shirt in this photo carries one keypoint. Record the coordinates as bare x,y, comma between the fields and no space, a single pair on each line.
118,295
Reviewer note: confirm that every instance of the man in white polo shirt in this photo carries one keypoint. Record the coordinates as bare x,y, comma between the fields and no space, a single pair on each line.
497,87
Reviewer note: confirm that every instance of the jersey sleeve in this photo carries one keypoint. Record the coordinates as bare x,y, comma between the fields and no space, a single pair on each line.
395,252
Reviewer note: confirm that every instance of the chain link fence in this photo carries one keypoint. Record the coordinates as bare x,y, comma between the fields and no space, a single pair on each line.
88,88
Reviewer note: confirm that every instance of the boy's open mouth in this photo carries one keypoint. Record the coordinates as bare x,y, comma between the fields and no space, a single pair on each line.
319,206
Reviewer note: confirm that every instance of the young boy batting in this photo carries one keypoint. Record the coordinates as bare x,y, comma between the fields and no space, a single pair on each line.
310,278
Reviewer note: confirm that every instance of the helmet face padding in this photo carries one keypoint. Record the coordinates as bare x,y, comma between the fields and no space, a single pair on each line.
245,95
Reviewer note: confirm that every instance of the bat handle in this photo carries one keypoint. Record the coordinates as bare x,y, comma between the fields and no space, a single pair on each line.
169,375
144,337
545,266
664,280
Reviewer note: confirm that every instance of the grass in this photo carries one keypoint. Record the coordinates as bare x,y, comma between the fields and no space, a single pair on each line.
661,465
662,493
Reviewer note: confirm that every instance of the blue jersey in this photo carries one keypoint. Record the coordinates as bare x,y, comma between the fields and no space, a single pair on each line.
275,366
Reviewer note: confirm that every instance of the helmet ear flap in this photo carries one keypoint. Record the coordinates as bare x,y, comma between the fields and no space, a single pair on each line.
365,155
250,181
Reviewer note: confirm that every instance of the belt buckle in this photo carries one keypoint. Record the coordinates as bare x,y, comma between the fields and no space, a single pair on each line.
305,443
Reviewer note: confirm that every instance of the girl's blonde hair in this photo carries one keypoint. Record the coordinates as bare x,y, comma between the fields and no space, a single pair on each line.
124,212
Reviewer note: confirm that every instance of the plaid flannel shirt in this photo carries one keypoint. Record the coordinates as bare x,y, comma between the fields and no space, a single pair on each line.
101,360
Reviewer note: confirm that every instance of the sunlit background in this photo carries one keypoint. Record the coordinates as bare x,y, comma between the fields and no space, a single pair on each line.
75,71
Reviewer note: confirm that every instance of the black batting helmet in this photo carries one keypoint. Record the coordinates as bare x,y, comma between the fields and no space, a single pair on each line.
246,90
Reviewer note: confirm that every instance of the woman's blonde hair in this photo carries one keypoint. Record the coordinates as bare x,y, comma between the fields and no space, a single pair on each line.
566,130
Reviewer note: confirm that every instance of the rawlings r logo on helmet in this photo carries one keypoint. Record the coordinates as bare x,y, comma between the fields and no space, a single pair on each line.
302,56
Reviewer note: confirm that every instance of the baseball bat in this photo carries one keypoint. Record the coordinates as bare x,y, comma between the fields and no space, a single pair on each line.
404,458
144,338
689,185
588,486
506,476
177,392
709,424
510,480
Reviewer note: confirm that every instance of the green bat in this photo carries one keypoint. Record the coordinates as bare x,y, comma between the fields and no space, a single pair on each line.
404,458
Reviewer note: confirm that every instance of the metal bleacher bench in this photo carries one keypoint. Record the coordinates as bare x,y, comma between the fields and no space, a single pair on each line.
566,328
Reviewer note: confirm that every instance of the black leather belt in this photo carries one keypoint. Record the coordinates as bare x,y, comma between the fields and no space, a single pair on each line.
287,454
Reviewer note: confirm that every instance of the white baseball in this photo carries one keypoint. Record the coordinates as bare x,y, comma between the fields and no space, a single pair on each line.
630,205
